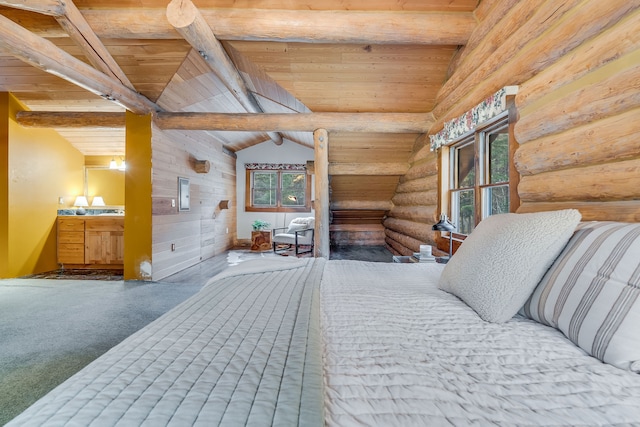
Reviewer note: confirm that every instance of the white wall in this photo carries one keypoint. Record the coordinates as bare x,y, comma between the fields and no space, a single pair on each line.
267,152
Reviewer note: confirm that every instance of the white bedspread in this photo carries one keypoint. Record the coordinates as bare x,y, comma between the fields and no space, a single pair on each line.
243,351
400,352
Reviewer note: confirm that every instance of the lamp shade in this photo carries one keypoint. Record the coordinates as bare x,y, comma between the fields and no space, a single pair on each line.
97,201
113,164
81,201
443,224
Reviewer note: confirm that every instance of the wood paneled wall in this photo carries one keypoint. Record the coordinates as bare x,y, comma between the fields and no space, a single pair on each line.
205,230
577,65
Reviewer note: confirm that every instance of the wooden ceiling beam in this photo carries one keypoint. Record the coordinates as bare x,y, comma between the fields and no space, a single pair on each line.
74,24
307,26
46,7
188,21
304,122
377,169
46,56
69,119
81,33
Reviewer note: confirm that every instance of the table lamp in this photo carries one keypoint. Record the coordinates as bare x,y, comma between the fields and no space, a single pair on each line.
445,225
97,201
81,202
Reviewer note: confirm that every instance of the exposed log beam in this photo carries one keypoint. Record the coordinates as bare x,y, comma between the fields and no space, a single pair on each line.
308,26
189,22
307,122
69,119
80,31
45,7
361,204
46,56
72,21
378,169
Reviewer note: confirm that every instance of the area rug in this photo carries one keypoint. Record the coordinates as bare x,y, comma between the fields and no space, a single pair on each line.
235,257
66,274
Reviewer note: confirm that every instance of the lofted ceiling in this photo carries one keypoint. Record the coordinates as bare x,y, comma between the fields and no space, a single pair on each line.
330,56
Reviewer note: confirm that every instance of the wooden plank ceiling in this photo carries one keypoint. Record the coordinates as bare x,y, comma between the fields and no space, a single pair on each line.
338,56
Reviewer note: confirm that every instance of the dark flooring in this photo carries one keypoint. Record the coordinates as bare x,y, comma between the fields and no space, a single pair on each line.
361,253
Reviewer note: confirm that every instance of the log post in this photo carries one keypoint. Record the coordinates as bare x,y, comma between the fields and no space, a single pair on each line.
321,203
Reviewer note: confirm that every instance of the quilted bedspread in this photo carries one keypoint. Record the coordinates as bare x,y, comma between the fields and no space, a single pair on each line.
400,352
245,350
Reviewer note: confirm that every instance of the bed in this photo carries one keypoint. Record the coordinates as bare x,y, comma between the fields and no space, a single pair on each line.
339,343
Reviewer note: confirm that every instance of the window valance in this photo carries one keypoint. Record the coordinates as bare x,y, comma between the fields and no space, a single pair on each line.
276,166
486,110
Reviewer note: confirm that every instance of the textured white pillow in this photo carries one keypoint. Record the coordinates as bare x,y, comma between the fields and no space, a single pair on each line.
295,227
497,267
298,224
592,293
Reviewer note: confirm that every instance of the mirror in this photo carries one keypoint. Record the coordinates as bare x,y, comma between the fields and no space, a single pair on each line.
104,182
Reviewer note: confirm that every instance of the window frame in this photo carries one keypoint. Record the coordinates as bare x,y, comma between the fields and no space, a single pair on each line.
481,160
446,173
249,207
484,183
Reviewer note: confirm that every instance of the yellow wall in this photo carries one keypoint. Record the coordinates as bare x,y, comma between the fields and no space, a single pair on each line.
137,219
42,167
4,184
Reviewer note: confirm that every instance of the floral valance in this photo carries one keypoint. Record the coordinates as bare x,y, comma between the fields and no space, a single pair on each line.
276,166
487,109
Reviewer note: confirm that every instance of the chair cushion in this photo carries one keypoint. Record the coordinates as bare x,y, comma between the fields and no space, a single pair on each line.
591,293
297,224
497,267
295,227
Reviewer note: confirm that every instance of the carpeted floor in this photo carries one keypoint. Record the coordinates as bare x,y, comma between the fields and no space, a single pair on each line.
50,329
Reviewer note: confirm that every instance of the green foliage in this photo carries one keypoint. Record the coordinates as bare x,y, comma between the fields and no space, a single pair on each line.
259,225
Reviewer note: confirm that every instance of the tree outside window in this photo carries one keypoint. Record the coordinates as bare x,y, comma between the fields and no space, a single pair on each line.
281,188
479,181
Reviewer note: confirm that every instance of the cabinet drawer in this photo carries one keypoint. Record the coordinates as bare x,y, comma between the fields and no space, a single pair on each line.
106,224
71,237
70,224
71,253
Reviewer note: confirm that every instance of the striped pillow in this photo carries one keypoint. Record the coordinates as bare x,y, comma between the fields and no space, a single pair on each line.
591,292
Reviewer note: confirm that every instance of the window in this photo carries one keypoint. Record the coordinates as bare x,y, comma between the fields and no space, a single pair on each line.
277,188
479,181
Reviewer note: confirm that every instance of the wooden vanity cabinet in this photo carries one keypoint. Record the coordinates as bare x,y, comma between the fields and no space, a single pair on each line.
70,240
104,241
91,241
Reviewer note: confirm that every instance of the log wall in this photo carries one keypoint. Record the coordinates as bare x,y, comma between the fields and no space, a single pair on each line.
577,66
415,204
205,230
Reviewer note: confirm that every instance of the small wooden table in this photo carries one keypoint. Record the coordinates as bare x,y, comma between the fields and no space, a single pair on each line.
261,240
